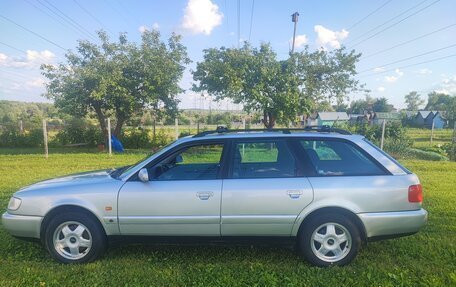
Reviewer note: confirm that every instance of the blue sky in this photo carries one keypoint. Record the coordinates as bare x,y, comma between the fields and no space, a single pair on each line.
369,27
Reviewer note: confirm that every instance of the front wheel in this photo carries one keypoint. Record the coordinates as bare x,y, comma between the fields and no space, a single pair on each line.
74,238
329,240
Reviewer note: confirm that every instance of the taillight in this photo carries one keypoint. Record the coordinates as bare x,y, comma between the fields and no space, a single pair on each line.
415,193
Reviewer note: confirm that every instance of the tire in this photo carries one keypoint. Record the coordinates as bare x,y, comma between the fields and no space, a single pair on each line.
330,239
75,237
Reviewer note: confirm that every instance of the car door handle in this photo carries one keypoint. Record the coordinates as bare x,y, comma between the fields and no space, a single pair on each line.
204,195
294,193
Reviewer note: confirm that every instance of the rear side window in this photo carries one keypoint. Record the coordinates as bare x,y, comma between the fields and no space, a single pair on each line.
339,158
263,159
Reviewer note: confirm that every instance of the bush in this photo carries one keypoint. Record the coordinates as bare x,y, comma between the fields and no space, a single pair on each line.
13,138
450,149
79,131
136,138
396,142
414,153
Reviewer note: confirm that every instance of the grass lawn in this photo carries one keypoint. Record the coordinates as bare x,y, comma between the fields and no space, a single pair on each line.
425,259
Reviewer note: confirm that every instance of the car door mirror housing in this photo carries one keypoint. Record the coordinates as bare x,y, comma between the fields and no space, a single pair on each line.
179,159
143,175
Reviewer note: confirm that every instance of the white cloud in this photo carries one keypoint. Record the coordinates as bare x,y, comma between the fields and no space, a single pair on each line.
379,69
300,41
394,78
381,89
424,71
33,59
328,38
144,28
448,85
201,17
36,83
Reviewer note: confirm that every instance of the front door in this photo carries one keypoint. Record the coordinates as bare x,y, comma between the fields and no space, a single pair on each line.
182,197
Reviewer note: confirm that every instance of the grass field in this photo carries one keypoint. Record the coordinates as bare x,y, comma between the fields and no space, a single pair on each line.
425,259
422,137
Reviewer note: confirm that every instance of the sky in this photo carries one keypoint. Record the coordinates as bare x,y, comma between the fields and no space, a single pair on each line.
406,45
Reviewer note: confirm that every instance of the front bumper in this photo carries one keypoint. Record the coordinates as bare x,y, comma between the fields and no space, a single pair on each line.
21,225
391,223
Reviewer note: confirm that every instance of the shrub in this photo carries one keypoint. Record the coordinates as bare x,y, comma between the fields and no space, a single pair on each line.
414,153
79,131
136,138
13,138
450,149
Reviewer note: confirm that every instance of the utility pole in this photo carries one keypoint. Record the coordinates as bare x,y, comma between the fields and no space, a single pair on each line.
294,19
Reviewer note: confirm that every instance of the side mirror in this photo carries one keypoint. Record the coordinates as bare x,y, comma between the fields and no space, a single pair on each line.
143,175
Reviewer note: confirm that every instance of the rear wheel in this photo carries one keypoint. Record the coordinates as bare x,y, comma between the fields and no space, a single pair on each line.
329,239
75,238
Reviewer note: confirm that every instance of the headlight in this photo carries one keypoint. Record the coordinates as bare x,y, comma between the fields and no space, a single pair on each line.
14,203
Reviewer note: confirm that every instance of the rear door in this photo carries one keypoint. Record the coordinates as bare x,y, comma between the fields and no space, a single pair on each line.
264,191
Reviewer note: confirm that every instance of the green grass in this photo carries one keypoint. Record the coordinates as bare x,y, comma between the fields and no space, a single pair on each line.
425,259
422,137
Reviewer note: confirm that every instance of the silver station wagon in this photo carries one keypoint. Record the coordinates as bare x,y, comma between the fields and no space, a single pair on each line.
323,189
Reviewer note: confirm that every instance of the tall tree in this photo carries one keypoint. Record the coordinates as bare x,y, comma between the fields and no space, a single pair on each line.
413,101
437,101
280,90
381,105
118,78
361,106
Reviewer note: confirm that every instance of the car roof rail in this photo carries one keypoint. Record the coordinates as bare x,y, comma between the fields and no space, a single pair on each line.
323,129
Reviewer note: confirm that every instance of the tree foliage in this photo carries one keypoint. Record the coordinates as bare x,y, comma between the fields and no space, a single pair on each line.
116,79
413,101
382,105
280,90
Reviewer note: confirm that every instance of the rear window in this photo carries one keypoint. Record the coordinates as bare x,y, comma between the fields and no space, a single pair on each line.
388,156
339,158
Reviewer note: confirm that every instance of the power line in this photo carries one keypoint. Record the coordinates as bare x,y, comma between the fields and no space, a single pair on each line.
14,48
412,57
408,41
368,15
239,22
67,18
394,24
411,65
251,19
117,11
386,22
90,14
53,17
36,34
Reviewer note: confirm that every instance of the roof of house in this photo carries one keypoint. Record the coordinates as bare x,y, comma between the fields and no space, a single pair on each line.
425,114
333,116
387,116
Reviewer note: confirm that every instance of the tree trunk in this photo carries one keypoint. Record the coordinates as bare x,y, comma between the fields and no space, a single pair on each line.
119,123
101,119
268,120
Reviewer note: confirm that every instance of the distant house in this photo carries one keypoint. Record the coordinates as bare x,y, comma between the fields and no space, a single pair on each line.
327,118
389,117
425,119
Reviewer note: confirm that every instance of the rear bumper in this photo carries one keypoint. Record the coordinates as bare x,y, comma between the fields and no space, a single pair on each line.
21,225
393,223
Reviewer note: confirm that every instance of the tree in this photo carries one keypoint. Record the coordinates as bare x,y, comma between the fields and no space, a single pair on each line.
280,90
361,106
381,105
437,101
118,78
413,101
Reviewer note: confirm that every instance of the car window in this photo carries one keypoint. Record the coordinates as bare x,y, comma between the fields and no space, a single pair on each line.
262,159
196,162
339,158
